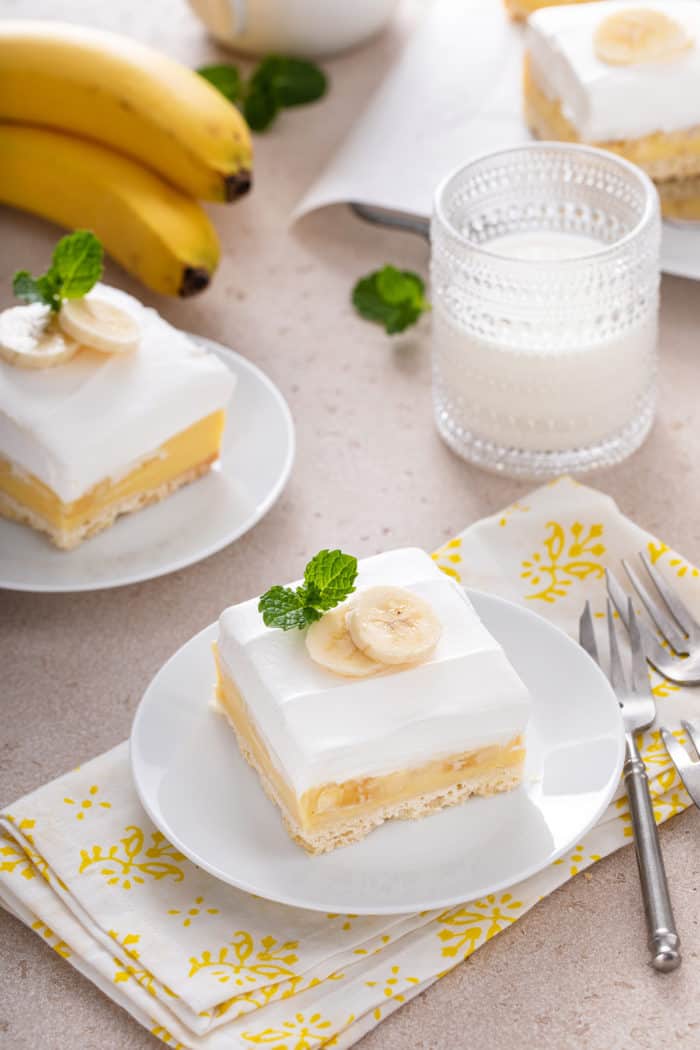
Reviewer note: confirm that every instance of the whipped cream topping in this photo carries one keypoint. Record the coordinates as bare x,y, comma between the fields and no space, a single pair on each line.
98,415
321,728
605,102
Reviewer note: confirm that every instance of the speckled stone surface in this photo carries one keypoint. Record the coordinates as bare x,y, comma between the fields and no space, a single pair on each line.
371,473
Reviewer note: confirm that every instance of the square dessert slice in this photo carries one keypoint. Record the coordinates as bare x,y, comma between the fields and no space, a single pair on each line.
345,737
622,76
102,434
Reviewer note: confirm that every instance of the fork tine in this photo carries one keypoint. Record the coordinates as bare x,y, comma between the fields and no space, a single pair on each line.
617,675
693,733
586,633
679,609
679,755
650,644
663,621
617,595
640,675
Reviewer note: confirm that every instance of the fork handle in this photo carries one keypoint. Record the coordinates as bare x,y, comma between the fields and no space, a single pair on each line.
664,942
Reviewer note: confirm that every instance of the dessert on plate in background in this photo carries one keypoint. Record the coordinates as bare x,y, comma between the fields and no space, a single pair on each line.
625,77
368,692
104,406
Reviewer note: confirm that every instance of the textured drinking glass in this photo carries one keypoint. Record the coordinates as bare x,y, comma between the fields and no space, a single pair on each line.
545,277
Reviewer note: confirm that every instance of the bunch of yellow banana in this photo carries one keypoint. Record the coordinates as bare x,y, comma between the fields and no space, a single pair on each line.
100,131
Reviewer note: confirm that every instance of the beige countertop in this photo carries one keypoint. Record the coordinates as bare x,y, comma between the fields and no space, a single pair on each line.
370,473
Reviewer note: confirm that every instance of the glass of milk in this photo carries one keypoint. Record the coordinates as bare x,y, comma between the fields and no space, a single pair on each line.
545,278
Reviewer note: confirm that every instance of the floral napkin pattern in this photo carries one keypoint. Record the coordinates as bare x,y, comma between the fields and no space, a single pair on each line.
205,966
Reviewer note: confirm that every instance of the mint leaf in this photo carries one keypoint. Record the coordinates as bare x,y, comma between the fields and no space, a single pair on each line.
44,289
50,289
225,78
399,286
26,287
260,107
76,267
277,82
330,576
391,297
284,608
77,262
291,81
328,579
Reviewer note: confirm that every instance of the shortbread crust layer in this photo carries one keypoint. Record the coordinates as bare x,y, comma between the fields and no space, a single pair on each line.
680,199
673,155
185,457
332,815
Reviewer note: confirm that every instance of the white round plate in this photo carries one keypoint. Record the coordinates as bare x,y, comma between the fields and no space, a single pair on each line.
256,459
208,802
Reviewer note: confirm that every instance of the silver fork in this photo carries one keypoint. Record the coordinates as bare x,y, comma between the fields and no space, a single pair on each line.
638,712
673,619
688,768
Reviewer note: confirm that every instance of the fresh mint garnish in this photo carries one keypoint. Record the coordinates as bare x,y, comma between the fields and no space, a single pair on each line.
328,580
225,78
260,107
284,608
390,297
276,83
291,81
75,268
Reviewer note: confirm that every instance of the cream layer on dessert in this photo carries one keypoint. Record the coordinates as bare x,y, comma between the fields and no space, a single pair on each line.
605,102
320,728
99,415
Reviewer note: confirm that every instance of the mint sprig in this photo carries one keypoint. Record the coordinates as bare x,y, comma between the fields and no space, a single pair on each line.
225,78
75,268
390,297
328,580
276,83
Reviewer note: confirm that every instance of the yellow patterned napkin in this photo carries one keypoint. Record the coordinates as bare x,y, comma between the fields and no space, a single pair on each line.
203,965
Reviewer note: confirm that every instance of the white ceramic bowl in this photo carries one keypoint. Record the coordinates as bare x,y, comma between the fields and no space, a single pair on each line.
306,28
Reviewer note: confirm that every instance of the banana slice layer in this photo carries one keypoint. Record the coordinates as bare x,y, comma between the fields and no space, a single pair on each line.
99,324
392,625
638,35
31,338
329,643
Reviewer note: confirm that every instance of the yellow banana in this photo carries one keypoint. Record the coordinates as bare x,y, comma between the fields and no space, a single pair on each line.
129,97
156,232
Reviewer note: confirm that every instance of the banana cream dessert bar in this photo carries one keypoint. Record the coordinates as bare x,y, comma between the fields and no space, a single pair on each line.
622,76
382,695
104,408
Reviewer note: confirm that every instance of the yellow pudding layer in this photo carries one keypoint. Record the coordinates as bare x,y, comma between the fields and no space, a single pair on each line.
663,156
182,458
331,815
522,8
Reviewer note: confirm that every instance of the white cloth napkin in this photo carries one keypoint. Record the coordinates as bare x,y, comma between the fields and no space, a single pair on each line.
203,965
455,94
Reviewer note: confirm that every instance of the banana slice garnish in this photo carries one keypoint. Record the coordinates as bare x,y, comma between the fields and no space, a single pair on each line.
329,643
638,35
31,338
393,626
99,324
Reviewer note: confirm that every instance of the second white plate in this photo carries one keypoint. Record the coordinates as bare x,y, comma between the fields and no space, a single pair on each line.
199,791
256,458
